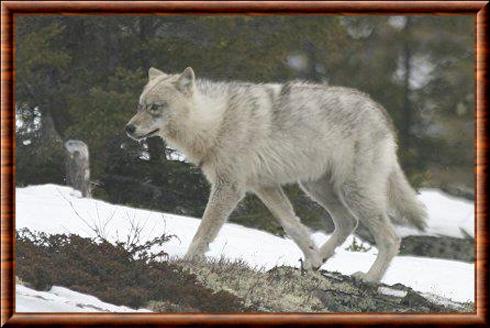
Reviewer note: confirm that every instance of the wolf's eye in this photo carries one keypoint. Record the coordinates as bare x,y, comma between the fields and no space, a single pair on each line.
154,108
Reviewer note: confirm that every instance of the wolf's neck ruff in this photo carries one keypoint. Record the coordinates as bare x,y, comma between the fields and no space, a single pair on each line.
197,136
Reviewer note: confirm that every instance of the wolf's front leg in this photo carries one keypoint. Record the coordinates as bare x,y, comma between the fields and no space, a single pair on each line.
222,200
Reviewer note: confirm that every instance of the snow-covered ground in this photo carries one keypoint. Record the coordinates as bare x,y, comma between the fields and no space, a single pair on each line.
57,209
60,299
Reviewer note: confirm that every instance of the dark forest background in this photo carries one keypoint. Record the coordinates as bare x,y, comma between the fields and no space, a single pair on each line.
79,77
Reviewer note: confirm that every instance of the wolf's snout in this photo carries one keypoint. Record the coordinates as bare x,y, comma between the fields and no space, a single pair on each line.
130,128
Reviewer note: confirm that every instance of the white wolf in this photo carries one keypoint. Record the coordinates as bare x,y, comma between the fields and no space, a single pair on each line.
337,143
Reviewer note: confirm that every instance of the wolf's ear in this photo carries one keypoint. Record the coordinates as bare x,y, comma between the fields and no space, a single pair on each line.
185,82
153,73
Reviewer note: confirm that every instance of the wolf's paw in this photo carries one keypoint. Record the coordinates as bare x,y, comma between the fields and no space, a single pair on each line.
365,277
194,256
312,263
197,250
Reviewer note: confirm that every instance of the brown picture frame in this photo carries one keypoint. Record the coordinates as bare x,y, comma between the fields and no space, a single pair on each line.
479,9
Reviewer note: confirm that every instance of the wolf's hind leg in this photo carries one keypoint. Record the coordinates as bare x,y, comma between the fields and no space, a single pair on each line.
322,191
277,202
371,209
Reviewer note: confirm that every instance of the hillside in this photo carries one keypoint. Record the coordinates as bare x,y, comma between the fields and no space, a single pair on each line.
245,262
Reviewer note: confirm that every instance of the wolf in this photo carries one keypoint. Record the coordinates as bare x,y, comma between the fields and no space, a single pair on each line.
336,142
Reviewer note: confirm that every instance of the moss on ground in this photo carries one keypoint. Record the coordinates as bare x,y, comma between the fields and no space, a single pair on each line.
287,289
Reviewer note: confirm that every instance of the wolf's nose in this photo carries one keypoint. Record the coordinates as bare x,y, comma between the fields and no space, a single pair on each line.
130,128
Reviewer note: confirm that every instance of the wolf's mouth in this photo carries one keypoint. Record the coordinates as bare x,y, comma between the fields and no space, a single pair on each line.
149,134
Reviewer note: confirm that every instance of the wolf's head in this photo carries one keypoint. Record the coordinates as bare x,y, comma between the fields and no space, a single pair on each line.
166,100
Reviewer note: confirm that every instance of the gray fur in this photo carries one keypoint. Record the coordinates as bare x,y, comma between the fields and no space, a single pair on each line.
336,142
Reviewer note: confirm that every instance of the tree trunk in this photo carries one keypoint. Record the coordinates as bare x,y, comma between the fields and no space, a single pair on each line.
407,106
78,166
311,73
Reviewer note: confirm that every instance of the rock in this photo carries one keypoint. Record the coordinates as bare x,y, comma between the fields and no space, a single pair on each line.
440,247
444,247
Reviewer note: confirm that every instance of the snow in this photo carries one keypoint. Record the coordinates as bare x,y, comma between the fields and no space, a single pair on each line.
392,292
56,209
448,216
60,299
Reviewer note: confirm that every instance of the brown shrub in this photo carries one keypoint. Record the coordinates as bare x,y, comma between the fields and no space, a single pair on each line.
114,273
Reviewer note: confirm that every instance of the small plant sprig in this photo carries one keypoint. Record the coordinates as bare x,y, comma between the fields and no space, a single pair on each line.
358,246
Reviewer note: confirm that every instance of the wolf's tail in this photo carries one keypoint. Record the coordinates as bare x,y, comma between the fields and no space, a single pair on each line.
405,207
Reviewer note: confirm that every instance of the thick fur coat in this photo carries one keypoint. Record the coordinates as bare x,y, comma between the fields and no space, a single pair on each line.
337,143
